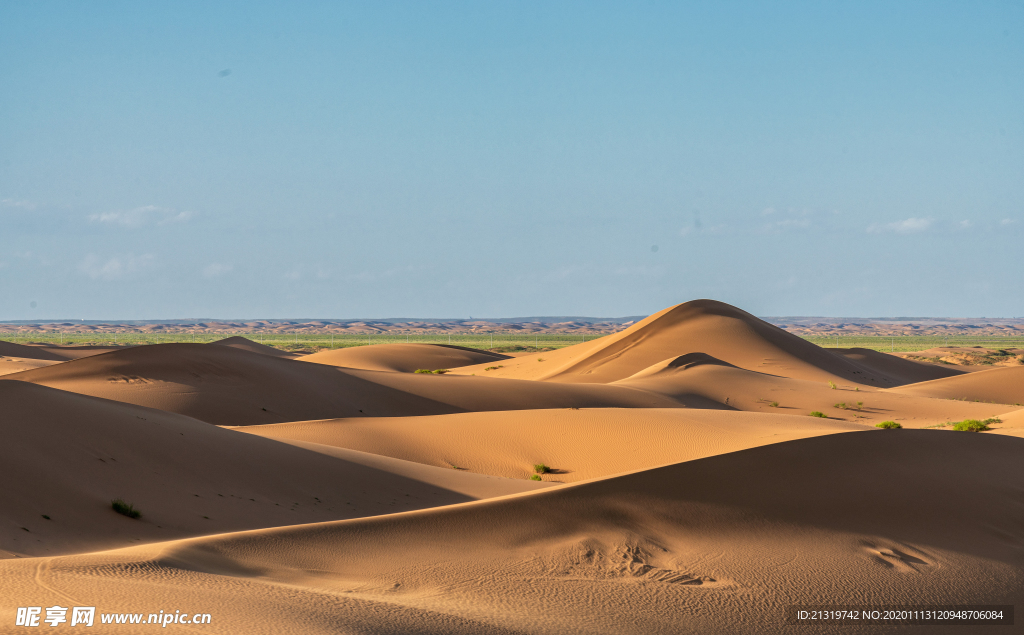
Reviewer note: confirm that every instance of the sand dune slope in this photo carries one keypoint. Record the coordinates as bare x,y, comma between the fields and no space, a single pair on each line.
10,349
707,326
67,456
10,365
228,386
405,358
245,344
904,370
997,385
697,375
576,444
718,545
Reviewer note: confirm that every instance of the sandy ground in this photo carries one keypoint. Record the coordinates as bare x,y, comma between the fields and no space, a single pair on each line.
687,491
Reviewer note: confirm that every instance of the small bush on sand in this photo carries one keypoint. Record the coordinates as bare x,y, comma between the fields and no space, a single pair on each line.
492,368
535,477
832,385
540,468
423,371
441,371
125,509
970,425
774,404
888,425
841,405
427,371
819,414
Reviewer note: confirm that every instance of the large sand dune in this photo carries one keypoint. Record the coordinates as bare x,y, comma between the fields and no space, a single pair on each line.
707,326
67,456
576,444
405,358
229,386
996,385
720,544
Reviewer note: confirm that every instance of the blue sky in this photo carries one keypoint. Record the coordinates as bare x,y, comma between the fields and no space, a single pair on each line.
451,159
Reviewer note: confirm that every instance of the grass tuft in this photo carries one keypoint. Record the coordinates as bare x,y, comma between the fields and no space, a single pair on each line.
540,468
125,509
970,425
832,385
773,404
818,414
888,425
535,477
841,405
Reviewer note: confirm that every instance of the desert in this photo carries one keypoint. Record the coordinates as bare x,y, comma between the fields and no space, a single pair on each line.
666,478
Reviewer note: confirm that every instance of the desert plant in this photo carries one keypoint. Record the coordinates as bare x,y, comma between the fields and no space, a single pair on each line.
540,359
423,371
441,371
860,404
970,425
125,509
841,405
535,477
888,425
832,385
774,404
818,414
992,420
540,468
492,368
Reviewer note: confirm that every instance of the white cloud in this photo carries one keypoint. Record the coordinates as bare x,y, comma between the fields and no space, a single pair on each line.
22,204
1007,221
115,268
142,216
909,226
215,269
966,224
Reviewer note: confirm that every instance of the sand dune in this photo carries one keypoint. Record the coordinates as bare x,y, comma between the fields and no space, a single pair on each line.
229,386
10,349
576,444
715,328
996,385
246,344
67,456
700,376
405,358
720,544
10,365
904,370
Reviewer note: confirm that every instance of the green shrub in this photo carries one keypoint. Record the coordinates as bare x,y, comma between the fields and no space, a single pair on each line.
125,509
441,371
427,371
888,425
535,477
832,385
423,371
540,468
819,414
492,368
774,404
970,425
841,405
